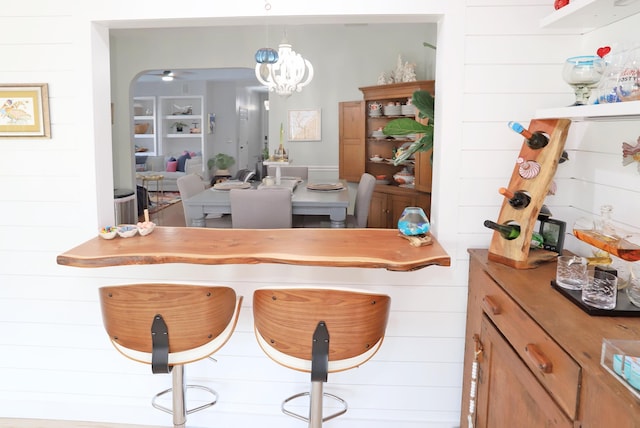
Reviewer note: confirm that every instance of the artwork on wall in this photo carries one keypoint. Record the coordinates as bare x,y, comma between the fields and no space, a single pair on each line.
212,122
305,125
24,110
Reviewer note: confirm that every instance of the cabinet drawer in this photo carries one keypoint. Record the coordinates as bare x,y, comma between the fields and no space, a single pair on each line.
558,373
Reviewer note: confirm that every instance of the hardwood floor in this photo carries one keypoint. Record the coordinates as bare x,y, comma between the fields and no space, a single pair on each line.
170,216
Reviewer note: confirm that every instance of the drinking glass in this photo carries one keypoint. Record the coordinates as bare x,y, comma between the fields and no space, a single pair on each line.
583,73
601,290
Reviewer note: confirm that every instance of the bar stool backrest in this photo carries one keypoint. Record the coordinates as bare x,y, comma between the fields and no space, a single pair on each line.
285,320
199,319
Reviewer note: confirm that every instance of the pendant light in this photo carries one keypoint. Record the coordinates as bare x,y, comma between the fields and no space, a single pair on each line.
289,74
285,71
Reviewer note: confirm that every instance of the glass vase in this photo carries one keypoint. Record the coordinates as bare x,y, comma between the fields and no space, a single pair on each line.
413,221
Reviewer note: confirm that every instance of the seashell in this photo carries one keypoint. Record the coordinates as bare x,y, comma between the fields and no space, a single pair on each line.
630,153
528,169
553,188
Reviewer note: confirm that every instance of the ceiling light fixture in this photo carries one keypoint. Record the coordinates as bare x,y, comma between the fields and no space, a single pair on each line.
266,55
289,74
167,76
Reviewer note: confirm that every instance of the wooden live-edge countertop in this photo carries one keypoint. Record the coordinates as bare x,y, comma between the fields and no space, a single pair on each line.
364,248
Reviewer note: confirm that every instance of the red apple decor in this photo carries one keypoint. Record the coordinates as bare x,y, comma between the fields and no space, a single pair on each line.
603,51
560,3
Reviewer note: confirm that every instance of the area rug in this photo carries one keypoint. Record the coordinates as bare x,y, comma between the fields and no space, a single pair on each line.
162,201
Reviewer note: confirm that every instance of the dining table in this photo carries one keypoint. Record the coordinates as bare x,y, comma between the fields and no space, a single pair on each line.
332,203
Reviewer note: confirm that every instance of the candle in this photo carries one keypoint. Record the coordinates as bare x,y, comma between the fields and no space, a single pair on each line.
146,214
281,134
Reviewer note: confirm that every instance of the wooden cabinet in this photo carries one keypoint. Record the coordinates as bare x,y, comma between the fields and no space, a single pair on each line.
388,202
513,397
540,359
351,134
399,94
358,146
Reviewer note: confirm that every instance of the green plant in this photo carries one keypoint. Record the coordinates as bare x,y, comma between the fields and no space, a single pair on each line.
178,125
424,102
221,161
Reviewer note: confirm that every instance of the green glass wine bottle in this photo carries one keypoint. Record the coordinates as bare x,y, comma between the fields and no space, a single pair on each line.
507,231
535,140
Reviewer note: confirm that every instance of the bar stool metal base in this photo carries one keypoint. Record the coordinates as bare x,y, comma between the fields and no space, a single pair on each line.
180,410
315,418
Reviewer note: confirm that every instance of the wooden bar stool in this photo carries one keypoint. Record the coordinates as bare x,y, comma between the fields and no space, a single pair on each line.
168,326
319,331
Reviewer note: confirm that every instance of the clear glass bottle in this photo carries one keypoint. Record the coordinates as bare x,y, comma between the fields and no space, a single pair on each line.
604,223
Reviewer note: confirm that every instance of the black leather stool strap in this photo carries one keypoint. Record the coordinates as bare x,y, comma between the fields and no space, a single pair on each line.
160,346
320,353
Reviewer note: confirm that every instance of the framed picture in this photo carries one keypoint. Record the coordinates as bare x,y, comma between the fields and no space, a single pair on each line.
212,123
305,125
24,110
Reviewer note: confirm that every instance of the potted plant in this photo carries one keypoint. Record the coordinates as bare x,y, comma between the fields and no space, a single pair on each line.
222,162
179,126
424,102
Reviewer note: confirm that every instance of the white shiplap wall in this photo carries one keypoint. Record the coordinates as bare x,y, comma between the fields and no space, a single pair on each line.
493,66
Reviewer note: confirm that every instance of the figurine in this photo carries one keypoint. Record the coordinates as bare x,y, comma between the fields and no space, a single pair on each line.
383,79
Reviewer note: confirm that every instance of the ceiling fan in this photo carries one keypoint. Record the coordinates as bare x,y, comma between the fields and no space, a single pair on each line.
167,75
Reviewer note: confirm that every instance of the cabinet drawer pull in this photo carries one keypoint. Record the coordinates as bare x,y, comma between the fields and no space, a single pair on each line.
490,304
538,358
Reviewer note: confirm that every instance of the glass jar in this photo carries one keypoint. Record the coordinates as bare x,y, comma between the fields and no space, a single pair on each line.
633,288
413,221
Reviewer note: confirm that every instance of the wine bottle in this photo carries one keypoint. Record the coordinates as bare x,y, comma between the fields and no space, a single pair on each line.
517,199
507,231
282,153
535,140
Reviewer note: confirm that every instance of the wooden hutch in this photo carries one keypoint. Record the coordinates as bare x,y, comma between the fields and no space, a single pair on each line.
358,146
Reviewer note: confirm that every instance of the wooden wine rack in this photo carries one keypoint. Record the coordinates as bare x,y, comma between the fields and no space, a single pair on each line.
516,252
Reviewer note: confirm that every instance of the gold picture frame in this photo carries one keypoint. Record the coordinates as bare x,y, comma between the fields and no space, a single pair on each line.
305,125
24,110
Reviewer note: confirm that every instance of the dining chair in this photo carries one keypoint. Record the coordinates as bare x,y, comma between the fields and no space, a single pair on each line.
168,326
289,171
361,207
319,331
261,209
244,175
190,185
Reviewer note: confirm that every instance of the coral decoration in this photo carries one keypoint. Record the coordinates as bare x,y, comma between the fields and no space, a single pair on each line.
603,51
631,153
558,4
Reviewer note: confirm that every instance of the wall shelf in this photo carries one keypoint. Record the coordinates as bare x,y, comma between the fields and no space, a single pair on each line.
628,110
174,143
587,15
186,135
144,109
